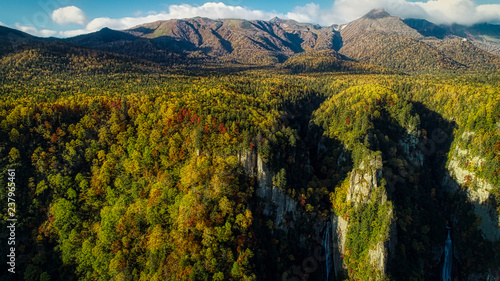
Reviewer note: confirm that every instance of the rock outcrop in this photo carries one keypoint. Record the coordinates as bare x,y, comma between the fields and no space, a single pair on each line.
276,203
365,186
476,189
339,231
364,180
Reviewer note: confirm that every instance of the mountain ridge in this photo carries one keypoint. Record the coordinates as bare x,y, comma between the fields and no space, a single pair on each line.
381,39
377,38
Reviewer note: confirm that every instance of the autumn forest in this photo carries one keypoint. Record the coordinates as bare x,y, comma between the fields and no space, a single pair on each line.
314,167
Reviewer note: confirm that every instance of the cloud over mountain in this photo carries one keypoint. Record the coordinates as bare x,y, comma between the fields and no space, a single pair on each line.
465,12
34,31
69,14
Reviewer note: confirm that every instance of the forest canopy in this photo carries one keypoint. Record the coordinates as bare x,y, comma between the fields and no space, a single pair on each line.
128,172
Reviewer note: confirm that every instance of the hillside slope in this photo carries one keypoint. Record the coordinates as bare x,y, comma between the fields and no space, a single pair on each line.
485,36
256,42
378,38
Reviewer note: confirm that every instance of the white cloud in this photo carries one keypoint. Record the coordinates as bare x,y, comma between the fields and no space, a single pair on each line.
69,14
308,13
71,33
216,10
2,24
34,31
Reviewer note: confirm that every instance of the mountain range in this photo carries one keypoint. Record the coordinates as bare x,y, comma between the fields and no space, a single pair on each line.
376,40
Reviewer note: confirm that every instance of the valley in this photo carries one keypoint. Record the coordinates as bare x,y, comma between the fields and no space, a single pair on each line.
201,149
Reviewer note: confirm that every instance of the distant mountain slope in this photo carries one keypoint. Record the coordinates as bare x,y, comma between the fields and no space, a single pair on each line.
377,38
403,53
328,60
485,36
257,42
381,39
12,40
427,28
240,40
51,58
466,53
377,21
127,44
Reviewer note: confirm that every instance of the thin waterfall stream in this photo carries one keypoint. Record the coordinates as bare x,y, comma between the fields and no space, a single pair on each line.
448,258
327,245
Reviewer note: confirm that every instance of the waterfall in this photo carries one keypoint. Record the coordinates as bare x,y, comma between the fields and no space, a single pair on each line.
327,246
448,258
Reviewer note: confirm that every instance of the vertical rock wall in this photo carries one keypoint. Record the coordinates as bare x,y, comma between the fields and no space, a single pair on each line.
477,189
364,187
276,202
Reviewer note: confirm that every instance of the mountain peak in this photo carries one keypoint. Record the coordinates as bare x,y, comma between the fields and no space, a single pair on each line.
377,14
276,19
378,20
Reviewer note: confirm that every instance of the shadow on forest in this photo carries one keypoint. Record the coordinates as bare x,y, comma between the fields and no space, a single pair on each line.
425,198
415,169
294,250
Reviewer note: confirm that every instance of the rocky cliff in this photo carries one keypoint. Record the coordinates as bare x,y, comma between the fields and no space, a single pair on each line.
462,176
366,192
276,202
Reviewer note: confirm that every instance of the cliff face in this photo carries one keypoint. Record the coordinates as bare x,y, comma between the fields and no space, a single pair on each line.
410,146
396,203
365,180
476,189
276,202
339,231
366,191
273,196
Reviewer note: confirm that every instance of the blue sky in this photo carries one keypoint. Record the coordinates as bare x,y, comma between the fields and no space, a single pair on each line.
63,18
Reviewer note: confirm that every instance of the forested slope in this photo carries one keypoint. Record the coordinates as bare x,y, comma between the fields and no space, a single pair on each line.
133,173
